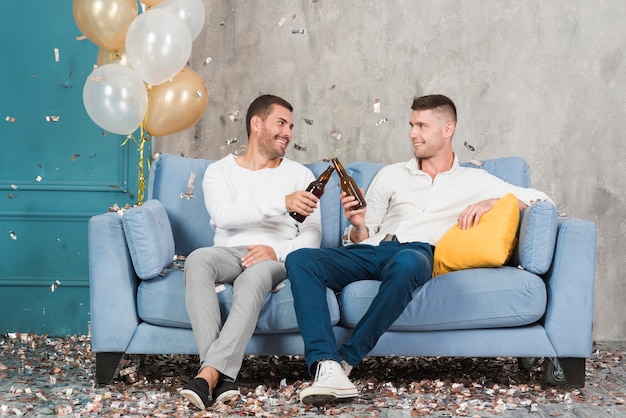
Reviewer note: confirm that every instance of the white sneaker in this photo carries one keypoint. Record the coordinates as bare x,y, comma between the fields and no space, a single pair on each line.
331,384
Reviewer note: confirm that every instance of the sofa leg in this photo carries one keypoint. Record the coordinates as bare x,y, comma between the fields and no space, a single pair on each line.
574,369
106,364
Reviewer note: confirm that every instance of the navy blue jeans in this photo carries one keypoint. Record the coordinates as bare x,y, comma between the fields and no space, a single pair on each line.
401,268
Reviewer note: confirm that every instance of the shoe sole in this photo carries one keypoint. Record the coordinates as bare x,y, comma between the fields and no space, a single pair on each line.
228,395
193,398
326,395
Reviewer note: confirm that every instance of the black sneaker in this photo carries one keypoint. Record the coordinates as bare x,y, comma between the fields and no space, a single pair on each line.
197,393
225,390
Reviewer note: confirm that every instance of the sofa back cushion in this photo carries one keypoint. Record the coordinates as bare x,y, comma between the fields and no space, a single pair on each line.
168,182
332,213
511,169
149,237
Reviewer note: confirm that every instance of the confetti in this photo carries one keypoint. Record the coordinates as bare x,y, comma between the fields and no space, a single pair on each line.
208,60
75,156
12,235
282,20
14,186
232,140
308,121
381,121
299,147
53,118
189,194
278,287
476,162
56,54
199,93
220,288
148,385
233,115
81,38
241,150
12,196
336,134
376,106
10,119
298,31
38,179
469,146
54,285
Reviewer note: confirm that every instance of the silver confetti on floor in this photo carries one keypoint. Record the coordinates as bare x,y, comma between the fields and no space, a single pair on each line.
41,375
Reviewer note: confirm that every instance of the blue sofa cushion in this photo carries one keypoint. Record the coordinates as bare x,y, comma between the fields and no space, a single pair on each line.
511,169
161,301
149,238
330,207
168,182
537,237
465,299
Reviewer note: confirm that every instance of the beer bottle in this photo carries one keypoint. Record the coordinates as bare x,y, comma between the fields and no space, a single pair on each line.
348,185
317,188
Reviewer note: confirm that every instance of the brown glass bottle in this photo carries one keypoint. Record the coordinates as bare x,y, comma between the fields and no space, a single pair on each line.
317,188
348,185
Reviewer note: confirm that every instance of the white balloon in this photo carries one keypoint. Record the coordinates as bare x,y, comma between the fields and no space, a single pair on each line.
158,45
115,98
191,11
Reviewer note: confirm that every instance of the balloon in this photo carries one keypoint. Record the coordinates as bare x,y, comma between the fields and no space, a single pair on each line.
105,22
112,57
115,98
151,2
158,45
176,104
191,11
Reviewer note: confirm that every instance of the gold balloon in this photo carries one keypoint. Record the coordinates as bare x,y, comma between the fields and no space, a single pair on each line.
105,22
112,57
176,104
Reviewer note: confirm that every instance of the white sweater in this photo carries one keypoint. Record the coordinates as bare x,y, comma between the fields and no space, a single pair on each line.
248,207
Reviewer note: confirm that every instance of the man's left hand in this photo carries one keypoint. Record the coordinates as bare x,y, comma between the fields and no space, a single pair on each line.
471,215
258,253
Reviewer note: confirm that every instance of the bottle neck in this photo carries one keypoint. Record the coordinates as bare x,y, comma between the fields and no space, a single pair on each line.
339,167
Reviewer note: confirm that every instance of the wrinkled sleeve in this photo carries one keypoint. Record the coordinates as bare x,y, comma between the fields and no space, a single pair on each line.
226,211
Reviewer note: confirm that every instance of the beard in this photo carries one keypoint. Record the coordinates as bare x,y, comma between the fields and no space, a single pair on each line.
269,146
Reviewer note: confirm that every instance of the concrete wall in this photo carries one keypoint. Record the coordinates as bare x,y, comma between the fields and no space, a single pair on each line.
544,79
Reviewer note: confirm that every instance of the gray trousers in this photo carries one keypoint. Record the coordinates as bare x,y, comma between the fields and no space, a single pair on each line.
223,347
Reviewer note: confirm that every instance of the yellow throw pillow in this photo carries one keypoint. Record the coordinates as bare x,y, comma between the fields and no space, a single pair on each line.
488,244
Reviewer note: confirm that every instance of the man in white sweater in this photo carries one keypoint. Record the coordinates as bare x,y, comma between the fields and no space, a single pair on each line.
249,199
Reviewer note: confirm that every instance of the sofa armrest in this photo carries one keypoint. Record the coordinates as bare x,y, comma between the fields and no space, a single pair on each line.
112,285
570,284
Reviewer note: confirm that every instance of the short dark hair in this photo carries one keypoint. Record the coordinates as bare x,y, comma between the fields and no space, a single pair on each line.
261,107
435,101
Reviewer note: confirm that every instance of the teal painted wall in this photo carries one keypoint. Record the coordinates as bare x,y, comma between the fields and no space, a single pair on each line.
54,175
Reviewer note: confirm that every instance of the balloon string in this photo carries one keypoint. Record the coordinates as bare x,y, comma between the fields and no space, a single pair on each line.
141,181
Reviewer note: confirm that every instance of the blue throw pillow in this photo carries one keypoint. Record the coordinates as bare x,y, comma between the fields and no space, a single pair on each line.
537,237
149,238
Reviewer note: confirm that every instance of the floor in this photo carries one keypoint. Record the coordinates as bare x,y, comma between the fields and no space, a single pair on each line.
43,376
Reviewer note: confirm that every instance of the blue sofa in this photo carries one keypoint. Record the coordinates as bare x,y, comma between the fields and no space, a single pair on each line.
540,305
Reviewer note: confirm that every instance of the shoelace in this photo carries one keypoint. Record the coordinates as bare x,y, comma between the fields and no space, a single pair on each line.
324,370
